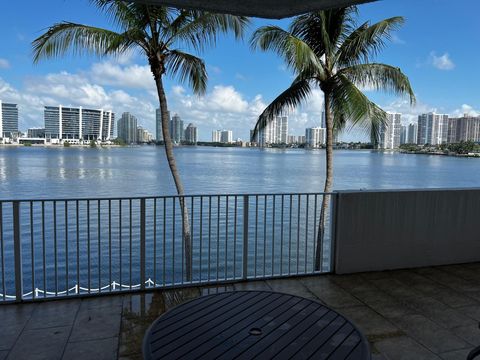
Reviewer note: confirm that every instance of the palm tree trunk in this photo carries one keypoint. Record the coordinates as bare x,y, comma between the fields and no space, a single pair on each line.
328,183
176,176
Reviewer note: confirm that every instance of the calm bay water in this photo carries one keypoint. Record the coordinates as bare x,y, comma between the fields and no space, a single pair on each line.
28,172
92,243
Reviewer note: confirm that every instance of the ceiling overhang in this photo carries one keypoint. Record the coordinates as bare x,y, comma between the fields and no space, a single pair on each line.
273,9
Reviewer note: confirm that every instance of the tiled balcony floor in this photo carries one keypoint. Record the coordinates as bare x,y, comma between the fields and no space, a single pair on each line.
428,313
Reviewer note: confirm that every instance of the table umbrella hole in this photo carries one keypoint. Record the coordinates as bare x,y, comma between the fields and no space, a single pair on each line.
255,331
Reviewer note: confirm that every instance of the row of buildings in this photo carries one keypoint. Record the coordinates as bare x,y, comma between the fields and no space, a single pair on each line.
130,132
430,129
70,124
222,136
276,133
178,132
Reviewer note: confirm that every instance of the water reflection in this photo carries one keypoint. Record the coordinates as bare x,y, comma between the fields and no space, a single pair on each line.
143,171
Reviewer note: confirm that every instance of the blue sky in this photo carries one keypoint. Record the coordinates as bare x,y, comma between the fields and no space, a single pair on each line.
438,48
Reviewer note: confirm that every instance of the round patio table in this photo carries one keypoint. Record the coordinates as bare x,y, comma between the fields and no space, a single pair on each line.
253,324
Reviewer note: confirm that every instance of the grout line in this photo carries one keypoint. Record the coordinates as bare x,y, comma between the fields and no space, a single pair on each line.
71,329
21,331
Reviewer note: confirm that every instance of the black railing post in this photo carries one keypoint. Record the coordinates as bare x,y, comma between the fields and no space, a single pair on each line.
142,243
245,237
17,251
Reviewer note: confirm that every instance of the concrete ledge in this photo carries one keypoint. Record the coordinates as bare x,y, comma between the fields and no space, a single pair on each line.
384,230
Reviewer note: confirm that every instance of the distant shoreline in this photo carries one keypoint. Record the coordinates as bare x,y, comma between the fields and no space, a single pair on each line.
472,155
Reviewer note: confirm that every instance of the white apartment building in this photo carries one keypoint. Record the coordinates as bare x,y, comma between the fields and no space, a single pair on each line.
226,136
216,135
315,137
222,136
432,129
275,132
390,132
68,123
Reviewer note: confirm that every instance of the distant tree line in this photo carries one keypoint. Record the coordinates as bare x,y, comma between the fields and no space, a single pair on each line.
461,148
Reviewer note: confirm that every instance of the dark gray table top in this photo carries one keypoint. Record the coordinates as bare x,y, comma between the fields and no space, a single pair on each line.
253,324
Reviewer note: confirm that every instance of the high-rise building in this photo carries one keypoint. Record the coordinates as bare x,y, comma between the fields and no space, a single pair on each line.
8,120
191,134
282,129
127,128
216,136
78,123
36,133
324,120
176,129
158,125
432,129
403,134
390,132
143,136
226,136
274,132
463,129
315,137
292,139
412,133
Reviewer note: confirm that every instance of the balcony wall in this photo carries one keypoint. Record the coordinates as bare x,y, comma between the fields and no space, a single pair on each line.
382,230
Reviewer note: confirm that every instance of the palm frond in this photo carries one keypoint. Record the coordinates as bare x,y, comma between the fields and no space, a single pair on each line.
121,13
188,68
77,38
366,41
297,92
351,106
380,77
201,29
297,54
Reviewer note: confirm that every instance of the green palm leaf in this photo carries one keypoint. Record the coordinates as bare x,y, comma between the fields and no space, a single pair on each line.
298,92
380,77
77,38
366,41
188,68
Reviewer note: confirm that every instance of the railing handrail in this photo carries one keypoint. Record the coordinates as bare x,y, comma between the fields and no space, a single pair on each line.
152,197
62,241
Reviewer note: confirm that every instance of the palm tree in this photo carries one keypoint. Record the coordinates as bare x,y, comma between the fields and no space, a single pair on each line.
326,49
160,33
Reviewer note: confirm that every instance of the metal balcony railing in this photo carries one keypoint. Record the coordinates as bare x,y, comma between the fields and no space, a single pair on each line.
75,247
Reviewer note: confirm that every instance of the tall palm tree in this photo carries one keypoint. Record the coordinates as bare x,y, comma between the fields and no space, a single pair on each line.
161,33
326,49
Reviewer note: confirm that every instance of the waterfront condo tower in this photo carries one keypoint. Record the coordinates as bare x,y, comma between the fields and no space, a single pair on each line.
158,125
412,133
8,120
432,129
464,128
216,136
390,132
275,132
176,129
64,123
127,128
226,136
315,137
191,134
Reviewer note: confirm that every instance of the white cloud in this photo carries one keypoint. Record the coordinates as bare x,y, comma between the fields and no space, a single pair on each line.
114,74
4,64
465,109
221,108
443,62
409,113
